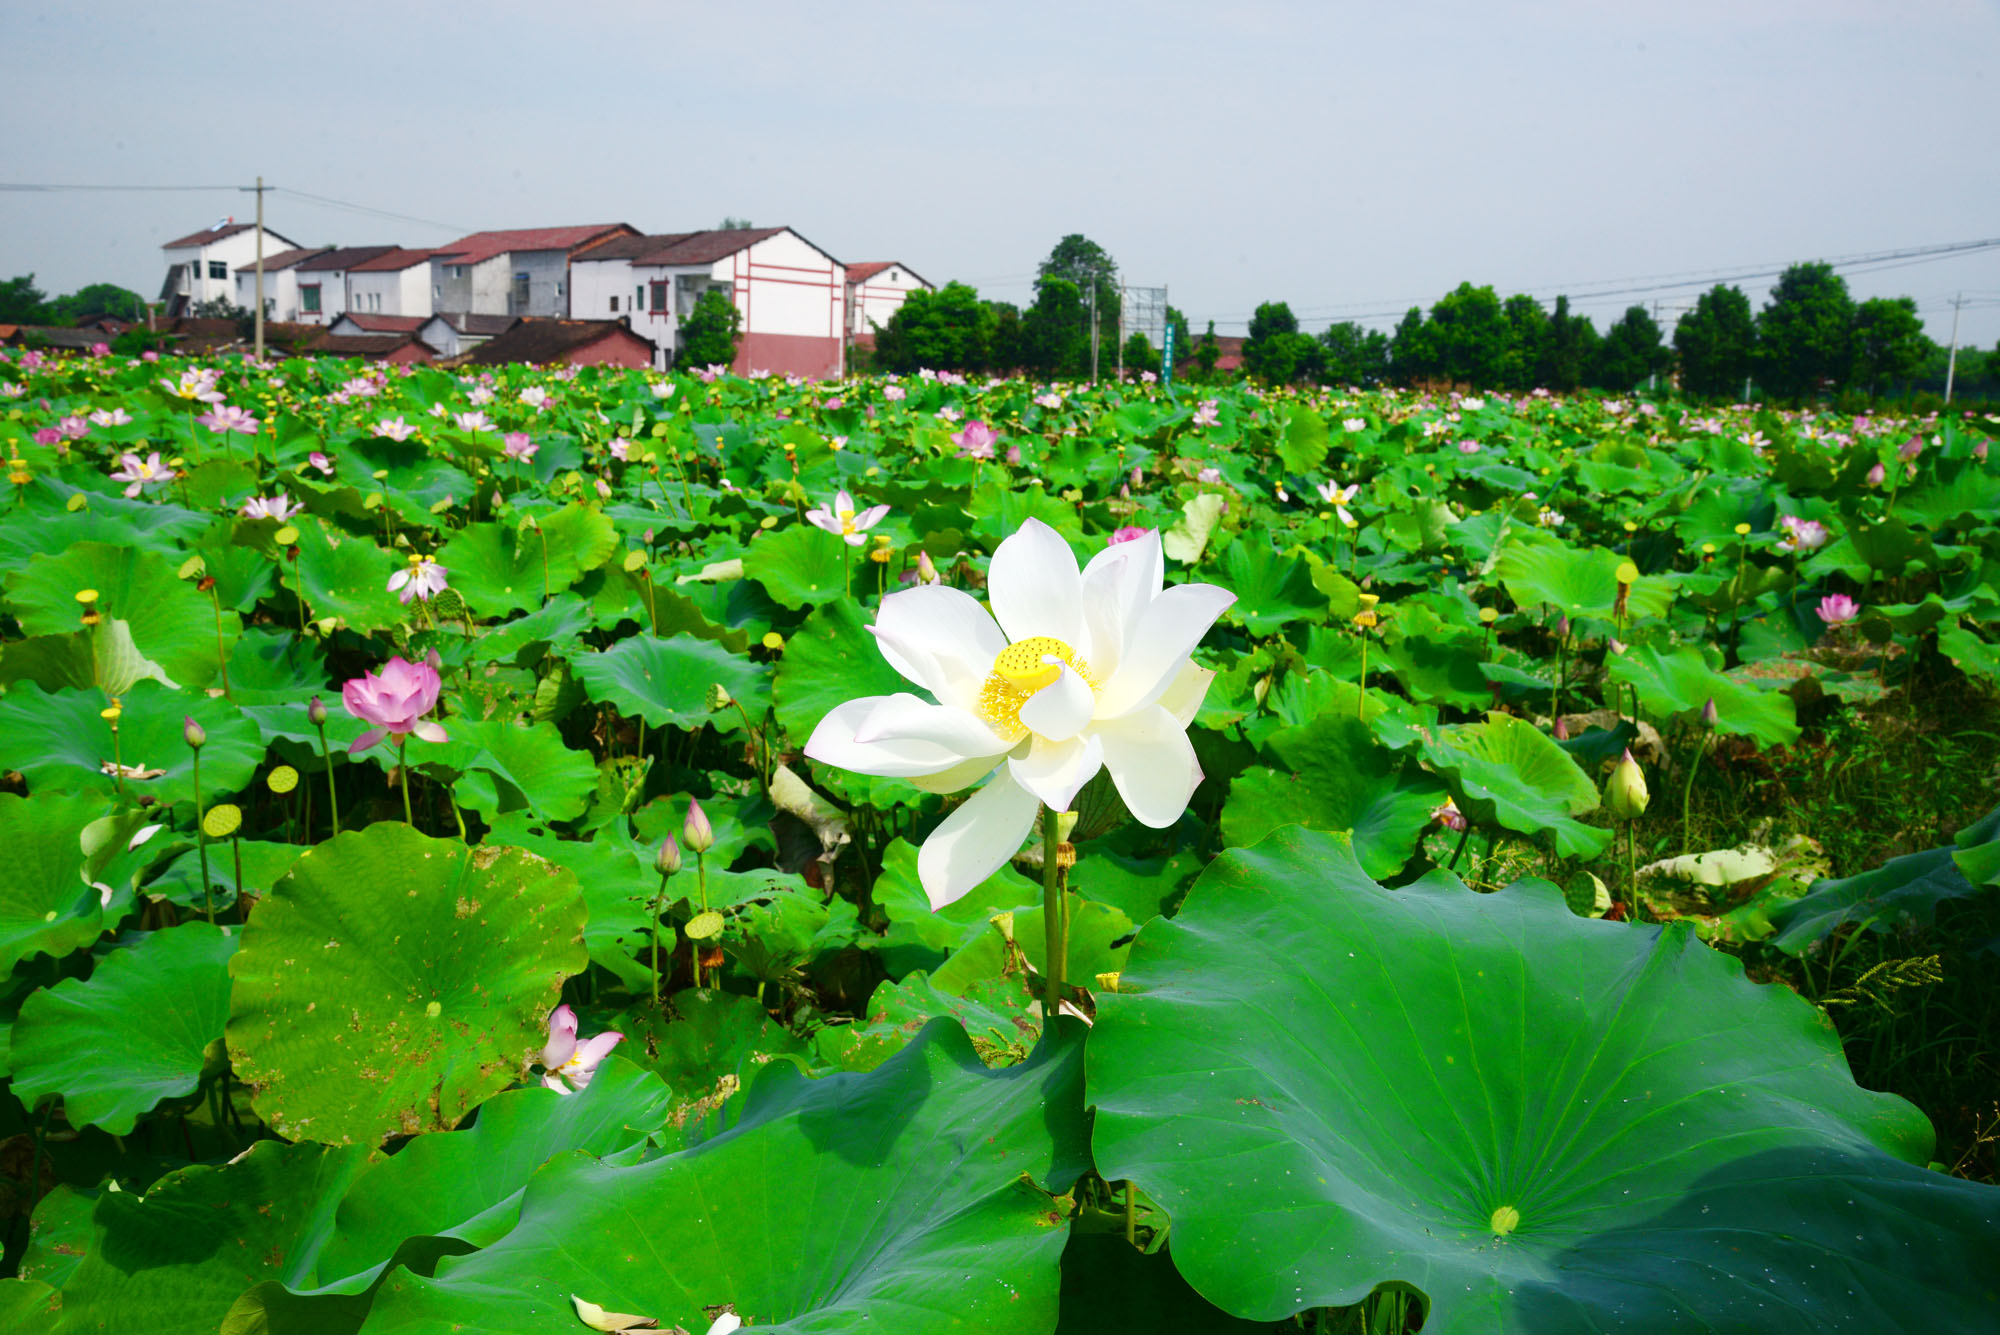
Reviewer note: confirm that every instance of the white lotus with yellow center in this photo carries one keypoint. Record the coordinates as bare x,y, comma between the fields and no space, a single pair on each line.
1072,672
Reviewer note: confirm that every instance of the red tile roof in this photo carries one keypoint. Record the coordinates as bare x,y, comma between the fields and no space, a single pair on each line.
207,235
397,259
861,273
386,324
681,247
483,246
538,342
285,259
344,258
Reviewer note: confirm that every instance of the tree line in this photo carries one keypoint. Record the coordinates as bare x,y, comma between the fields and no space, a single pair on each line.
21,302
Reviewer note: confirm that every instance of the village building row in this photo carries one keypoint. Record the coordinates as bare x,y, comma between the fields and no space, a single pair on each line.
803,311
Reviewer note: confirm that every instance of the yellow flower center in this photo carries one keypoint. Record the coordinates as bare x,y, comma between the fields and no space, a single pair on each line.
1021,669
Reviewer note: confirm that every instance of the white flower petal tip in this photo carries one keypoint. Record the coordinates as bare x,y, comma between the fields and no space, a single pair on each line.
1060,710
976,840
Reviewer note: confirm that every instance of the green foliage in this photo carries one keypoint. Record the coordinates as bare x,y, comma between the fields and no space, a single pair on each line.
947,330
710,332
1631,352
1805,335
1715,343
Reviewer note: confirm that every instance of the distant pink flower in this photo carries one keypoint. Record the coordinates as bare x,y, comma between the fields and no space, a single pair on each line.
424,578
975,440
842,520
319,460
1801,535
1209,475
472,422
149,356
1130,533
1340,498
1205,415
895,393
1050,400
480,397
140,473
48,435
111,417
1876,475
621,449
73,428
225,418
1910,448
1468,447
1837,609
395,701
394,428
949,414
100,349
565,1059
518,447
1149,378
279,507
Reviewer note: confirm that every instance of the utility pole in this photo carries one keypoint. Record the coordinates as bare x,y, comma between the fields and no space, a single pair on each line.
1951,366
259,317
1121,333
1093,326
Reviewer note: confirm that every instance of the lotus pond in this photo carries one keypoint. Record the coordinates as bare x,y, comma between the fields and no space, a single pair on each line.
569,850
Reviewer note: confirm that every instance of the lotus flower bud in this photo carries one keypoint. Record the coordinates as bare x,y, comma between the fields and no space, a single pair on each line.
1876,475
668,860
1561,729
1617,646
927,571
196,736
434,661
698,833
1708,714
316,712
1625,796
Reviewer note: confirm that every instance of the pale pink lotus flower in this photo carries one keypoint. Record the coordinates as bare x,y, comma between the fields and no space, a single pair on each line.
72,427
1837,609
196,384
318,459
1340,498
12,390
1206,413
1549,518
395,700
100,349
949,414
1129,533
534,396
975,440
111,417
1802,535
621,448
1468,447
1013,454
663,389
895,393
48,435
1209,475
603,490
1910,448
149,356
224,418
519,447
423,578
279,507
1149,378
472,421
394,428
1876,475
439,411
1354,424
566,1060
843,521
1050,400
140,473
480,397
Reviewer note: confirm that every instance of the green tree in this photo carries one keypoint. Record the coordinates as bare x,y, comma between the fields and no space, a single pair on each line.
710,331
1631,351
1140,354
1268,351
21,302
734,225
1410,356
1207,353
1468,336
1178,323
1716,343
96,299
1078,260
1527,338
1889,341
947,330
1004,351
1571,345
1055,334
1805,336
1352,355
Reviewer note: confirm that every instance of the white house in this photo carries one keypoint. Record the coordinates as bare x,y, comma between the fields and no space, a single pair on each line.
202,266
323,281
455,332
792,295
281,283
876,290
521,272
398,283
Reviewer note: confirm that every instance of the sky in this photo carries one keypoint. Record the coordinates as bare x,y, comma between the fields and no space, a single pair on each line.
1351,159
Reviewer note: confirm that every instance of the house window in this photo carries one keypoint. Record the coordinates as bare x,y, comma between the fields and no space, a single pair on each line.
614,305
309,299
217,269
520,291
437,290
638,298
660,297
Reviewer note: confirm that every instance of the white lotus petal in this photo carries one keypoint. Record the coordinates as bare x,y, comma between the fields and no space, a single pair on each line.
941,639
1183,698
833,743
1060,709
907,718
1035,587
1055,771
1117,585
1153,764
1158,646
962,775
976,840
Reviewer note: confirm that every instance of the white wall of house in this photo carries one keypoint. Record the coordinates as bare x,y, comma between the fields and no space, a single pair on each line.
391,291
211,275
881,295
281,291
332,285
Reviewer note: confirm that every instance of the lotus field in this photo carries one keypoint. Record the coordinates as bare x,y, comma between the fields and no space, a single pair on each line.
569,850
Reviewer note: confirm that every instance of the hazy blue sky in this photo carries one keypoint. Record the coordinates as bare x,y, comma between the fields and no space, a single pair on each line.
1348,158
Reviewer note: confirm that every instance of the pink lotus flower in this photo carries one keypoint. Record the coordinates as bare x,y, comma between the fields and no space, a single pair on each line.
565,1059
472,421
72,428
975,440
111,417
424,578
1209,475
48,435
1050,400
395,701
140,473
1206,414
1910,448
1837,609
1876,475
224,418
395,428
621,449
842,520
100,349
518,447
1130,533
279,507
319,460
1802,535
895,393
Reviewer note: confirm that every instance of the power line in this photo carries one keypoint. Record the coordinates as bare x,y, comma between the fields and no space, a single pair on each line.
322,200
24,188
364,208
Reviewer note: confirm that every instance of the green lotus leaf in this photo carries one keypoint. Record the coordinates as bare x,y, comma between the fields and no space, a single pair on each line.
29,1307
108,519
1302,446
390,982
1434,661
61,742
666,682
171,1262
1188,538
1541,1122
830,659
803,566
169,621
1110,1285
1332,775
1900,892
1972,656
263,863
1001,1016
998,508
507,766
46,905
927,934
1273,590
705,1044
502,568
344,576
135,1033
1682,682
1507,771
1577,583
617,889
103,656
909,1199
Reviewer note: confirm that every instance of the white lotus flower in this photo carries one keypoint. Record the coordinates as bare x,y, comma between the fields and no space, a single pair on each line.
1084,671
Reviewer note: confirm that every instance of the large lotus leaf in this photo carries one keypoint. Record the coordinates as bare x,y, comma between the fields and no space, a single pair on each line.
803,566
1110,1285
910,1199
1002,1016
344,576
1545,1123
105,656
29,1307
171,1262
1434,661
617,889
1332,775
1302,448
1970,654
46,907
391,982
1901,892
1188,539
830,659
61,742
914,923
1682,682
1507,771
264,861
666,682
171,623
1578,583
1272,589
507,766
107,519
705,1045
502,568
137,1032
1978,854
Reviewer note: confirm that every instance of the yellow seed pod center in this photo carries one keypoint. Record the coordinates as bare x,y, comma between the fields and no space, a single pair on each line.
1021,665
1505,1220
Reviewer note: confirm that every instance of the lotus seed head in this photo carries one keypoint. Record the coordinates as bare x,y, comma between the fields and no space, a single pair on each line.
1505,1220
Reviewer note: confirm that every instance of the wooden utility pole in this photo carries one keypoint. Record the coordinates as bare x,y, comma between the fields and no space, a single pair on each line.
1951,365
259,315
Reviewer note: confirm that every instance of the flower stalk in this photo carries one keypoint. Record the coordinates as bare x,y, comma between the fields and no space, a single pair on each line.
1055,942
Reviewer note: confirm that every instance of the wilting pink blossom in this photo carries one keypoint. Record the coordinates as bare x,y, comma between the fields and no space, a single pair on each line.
1149,378
140,473
565,1059
975,440
279,507
423,578
842,520
1837,609
1448,815
395,700
225,417
518,447
1130,533
394,428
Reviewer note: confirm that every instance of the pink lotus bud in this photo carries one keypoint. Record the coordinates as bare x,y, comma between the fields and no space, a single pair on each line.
1876,474
193,732
698,833
1561,729
668,860
1708,713
1130,533
316,712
